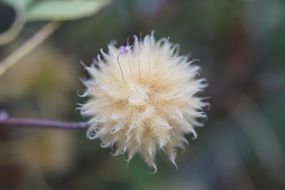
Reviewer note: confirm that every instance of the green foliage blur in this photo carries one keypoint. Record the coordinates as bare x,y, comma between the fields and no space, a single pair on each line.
240,44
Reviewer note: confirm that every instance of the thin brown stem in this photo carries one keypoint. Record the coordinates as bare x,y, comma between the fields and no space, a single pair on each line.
41,123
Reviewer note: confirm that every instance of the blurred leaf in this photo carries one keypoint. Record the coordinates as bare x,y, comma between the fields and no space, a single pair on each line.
64,10
18,3
12,20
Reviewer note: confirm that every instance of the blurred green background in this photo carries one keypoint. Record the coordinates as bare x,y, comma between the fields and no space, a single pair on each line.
241,47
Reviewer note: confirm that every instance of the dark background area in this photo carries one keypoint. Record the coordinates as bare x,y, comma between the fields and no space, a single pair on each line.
240,44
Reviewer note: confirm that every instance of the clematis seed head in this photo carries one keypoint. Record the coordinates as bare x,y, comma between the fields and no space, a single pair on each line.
143,98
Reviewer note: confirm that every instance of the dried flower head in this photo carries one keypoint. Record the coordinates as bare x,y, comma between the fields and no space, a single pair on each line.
143,98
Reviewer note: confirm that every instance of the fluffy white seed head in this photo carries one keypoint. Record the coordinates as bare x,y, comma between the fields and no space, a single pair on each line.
143,98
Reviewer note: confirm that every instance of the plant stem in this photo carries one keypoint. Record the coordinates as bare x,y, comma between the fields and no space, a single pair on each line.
28,46
41,123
